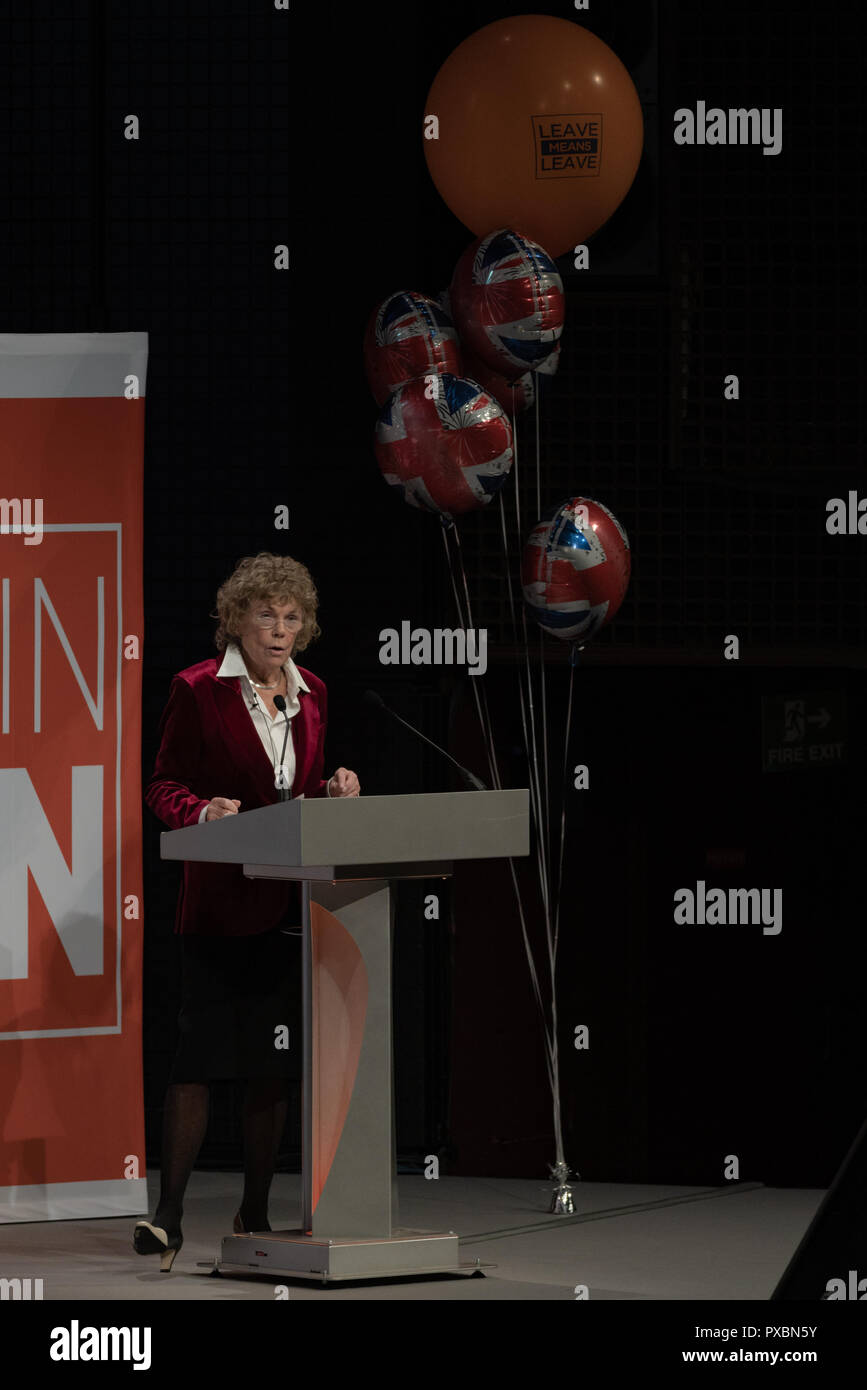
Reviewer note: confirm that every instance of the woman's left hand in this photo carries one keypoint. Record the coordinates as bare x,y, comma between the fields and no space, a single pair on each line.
344,783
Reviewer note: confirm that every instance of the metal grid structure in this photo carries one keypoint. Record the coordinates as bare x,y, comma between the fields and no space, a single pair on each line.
724,501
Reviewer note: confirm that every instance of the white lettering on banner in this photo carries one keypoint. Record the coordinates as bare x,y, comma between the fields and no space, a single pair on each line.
41,600
97,708
61,706
72,896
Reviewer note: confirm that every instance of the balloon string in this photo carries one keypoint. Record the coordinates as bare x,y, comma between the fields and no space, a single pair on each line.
543,823
540,824
527,946
538,452
555,1057
535,979
521,914
533,759
546,804
517,493
487,725
573,662
542,667
544,847
555,1061
462,621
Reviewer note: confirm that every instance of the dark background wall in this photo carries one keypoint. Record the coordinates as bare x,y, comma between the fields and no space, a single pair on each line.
259,128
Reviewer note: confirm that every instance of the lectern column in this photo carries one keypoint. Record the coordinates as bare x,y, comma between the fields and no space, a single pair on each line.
349,1159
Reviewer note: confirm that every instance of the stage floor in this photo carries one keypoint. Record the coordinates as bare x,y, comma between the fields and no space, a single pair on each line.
625,1241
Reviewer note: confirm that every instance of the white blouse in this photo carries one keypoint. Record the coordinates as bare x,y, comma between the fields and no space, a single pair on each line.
270,731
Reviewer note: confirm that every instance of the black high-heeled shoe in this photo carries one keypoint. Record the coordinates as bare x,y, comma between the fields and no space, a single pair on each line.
238,1226
148,1239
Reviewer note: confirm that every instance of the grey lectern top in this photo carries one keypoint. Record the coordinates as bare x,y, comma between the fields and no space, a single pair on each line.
383,836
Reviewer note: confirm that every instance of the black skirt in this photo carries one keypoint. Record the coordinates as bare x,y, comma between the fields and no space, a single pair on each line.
241,998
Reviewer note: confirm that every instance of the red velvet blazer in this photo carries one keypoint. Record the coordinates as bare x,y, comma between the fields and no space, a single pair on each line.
209,747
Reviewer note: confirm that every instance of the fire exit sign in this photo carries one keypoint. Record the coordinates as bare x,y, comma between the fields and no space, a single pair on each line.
804,731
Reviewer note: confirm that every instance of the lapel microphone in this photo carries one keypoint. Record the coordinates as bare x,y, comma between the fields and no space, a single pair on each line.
280,704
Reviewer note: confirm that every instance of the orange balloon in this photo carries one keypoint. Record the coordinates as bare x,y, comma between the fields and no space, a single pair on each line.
540,127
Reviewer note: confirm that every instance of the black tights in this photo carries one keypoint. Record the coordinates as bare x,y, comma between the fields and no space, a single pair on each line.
185,1122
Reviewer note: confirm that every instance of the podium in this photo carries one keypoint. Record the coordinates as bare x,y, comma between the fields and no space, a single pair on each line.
348,852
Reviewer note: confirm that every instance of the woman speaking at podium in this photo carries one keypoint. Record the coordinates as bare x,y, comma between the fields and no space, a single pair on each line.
229,743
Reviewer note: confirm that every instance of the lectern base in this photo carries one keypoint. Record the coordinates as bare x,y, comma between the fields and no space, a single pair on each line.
297,1256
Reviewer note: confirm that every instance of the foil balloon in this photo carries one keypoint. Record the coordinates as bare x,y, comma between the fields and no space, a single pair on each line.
446,444
513,396
507,302
408,335
575,569
548,368
539,126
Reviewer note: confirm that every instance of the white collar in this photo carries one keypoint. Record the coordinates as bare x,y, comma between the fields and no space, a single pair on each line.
234,665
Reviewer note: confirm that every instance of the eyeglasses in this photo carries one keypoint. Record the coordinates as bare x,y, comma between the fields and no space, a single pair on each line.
268,619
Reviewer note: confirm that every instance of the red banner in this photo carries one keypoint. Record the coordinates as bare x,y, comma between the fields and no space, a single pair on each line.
71,473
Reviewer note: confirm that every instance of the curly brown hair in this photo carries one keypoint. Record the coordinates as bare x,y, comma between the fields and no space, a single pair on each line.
266,578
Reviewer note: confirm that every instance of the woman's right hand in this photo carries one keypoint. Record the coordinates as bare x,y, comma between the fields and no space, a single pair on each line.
220,806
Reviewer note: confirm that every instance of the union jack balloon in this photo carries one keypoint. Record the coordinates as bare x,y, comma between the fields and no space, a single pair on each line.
575,569
408,335
446,444
506,299
513,396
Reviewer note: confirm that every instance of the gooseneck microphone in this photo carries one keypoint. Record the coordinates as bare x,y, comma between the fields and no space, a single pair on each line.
375,701
280,704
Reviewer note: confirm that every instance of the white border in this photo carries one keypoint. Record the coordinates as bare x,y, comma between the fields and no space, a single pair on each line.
73,1201
69,366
